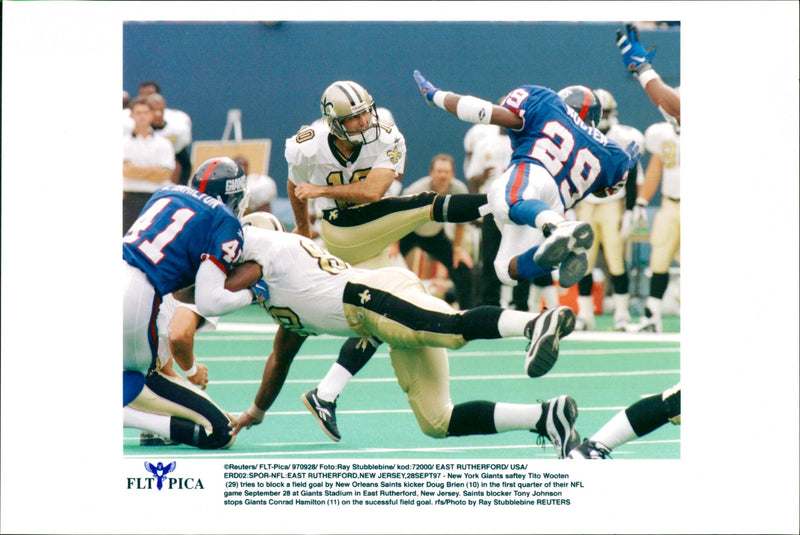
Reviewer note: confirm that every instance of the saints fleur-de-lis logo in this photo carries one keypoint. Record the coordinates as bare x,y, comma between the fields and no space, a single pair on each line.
394,154
333,214
365,296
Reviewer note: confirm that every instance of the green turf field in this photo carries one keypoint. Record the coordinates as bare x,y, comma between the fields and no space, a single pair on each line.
604,371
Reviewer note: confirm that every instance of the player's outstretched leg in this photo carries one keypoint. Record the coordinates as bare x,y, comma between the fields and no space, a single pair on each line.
545,333
558,424
565,246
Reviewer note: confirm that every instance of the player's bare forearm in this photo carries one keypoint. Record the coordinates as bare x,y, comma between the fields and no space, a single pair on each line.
243,276
371,189
284,348
665,97
300,210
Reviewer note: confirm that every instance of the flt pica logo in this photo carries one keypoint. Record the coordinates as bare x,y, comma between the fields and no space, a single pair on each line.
160,481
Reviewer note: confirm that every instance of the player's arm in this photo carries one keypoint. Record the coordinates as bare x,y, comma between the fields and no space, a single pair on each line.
151,173
468,108
460,256
639,62
300,209
371,189
210,295
284,348
652,178
182,329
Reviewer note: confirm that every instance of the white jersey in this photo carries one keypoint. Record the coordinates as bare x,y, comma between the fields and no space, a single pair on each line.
622,135
492,151
662,139
306,283
475,133
313,158
177,130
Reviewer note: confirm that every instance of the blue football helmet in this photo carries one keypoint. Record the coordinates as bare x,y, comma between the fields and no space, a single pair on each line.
223,179
584,101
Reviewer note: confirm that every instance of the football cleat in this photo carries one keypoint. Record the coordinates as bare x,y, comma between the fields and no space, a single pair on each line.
558,424
324,412
565,247
647,323
545,331
589,450
151,439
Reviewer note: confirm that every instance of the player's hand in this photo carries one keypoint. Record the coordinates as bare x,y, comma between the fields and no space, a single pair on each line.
639,216
626,226
460,256
200,378
633,54
261,291
246,420
306,191
425,87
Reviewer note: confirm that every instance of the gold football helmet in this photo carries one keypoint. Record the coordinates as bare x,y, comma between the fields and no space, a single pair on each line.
345,99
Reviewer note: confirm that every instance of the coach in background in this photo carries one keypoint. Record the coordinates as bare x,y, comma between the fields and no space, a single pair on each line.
432,238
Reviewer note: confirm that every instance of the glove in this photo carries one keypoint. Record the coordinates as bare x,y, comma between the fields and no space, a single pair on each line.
626,226
425,87
260,292
639,216
633,54
633,152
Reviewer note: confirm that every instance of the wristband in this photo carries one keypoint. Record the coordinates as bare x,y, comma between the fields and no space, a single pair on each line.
648,75
438,98
191,372
255,412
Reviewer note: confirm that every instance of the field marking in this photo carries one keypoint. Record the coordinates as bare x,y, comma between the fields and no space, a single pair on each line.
461,354
581,336
465,377
546,451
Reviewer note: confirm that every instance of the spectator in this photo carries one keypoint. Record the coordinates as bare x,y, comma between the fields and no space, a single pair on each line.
147,163
176,126
432,238
263,189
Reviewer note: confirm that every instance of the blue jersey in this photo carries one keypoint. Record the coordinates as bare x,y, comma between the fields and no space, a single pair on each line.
580,158
178,229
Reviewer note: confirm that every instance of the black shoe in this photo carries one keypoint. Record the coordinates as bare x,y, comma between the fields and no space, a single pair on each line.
324,412
558,424
151,439
545,331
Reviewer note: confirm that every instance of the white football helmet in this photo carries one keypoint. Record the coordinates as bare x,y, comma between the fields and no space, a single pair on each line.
608,113
345,99
263,220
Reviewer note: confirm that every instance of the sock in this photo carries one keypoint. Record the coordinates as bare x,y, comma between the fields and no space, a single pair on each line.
333,383
585,284
653,306
585,306
527,269
513,322
550,296
472,418
461,208
356,352
647,414
658,284
513,416
481,322
616,431
154,423
533,212
620,283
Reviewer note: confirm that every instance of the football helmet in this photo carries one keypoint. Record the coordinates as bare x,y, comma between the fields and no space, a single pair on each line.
608,110
583,101
223,179
263,220
345,99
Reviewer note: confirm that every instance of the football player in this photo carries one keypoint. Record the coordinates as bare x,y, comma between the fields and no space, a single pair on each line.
639,62
313,292
184,236
641,418
348,166
558,159
611,220
663,141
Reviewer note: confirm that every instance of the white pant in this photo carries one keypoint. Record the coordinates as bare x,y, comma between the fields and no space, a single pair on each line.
139,331
519,182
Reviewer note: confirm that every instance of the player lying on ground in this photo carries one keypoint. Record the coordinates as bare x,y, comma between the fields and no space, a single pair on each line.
308,291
